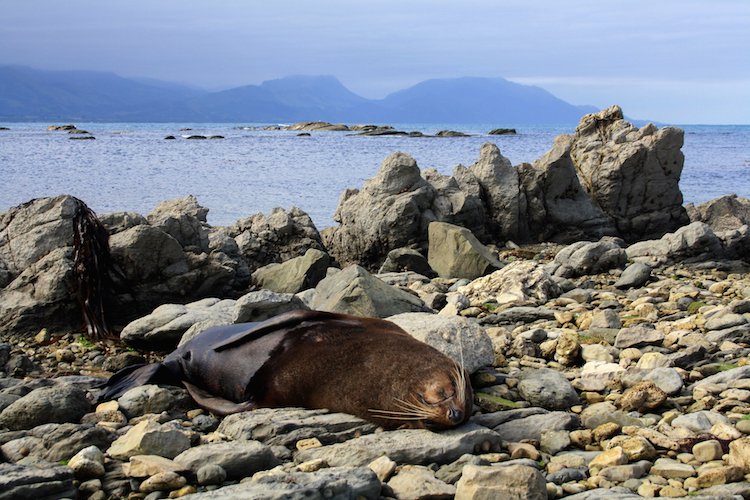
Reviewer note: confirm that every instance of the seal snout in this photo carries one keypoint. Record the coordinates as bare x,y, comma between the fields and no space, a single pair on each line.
455,415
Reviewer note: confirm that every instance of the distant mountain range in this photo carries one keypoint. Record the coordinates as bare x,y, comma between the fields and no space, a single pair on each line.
30,95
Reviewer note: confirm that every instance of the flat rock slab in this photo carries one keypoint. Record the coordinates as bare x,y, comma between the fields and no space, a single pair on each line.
26,481
286,426
411,446
494,419
238,458
336,483
524,314
616,493
532,426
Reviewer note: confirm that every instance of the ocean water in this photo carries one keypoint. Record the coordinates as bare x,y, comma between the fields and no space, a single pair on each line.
130,167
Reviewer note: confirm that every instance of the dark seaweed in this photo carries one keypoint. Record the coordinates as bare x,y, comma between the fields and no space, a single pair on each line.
93,265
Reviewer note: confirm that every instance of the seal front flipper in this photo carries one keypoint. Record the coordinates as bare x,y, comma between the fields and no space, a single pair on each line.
277,323
134,376
219,406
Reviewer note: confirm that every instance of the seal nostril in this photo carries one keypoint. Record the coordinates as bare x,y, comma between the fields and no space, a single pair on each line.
455,415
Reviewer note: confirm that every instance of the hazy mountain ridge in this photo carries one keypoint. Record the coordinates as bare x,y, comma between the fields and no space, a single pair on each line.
27,94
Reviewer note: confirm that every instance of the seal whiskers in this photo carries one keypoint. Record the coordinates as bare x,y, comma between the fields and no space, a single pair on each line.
460,376
410,411
460,371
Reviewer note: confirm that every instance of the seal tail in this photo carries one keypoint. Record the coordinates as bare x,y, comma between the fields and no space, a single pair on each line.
133,376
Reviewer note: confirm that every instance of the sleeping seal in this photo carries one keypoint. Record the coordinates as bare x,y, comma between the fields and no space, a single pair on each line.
314,359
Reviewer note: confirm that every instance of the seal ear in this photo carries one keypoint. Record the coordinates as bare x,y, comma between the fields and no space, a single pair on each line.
134,376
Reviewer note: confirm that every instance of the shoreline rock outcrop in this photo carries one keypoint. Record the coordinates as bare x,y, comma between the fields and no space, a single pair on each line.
170,255
608,179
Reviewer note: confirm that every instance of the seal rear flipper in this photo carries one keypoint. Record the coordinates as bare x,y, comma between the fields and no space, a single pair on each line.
134,376
219,406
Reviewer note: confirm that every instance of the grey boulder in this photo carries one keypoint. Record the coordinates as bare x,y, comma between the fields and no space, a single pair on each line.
454,252
355,291
294,275
455,336
57,404
548,389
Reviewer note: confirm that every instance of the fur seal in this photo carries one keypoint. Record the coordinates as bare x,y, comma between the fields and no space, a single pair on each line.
366,367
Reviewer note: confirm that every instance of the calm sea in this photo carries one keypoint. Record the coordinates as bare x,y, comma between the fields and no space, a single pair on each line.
130,167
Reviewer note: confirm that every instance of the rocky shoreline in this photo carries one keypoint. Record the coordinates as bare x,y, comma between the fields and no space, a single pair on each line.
611,367
369,130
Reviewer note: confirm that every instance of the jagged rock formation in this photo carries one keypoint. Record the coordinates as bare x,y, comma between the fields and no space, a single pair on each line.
36,265
726,212
170,255
632,175
608,179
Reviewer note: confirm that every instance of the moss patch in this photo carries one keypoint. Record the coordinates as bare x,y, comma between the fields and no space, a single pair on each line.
694,306
493,403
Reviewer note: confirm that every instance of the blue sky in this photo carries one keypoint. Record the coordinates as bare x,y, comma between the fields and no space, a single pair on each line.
679,62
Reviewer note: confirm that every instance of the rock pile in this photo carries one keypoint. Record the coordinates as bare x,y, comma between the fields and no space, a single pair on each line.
584,391
609,178
169,255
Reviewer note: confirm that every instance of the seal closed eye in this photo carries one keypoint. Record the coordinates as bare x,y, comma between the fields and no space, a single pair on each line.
314,359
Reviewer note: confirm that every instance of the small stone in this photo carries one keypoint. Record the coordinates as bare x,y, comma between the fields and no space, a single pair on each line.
606,431
148,465
164,481
306,444
668,468
65,356
90,487
622,473
743,426
739,454
707,451
725,431
672,491
87,463
149,438
554,491
631,354
572,488
648,490
719,475
416,481
564,317
652,360
609,458
43,336
553,442
383,467
211,474
312,465
635,447
184,491
523,450
640,397
514,481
